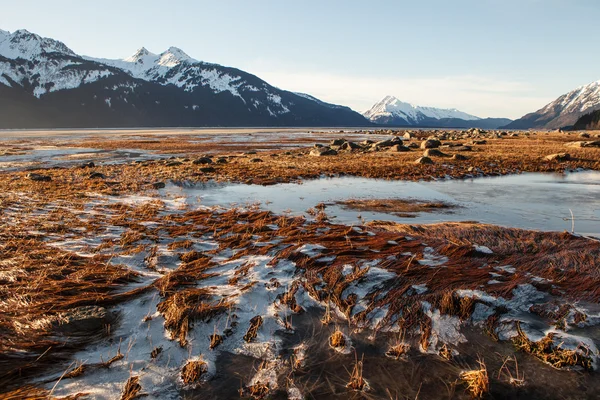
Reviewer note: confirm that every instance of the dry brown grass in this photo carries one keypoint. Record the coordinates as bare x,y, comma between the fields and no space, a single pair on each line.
550,353
181,308
398,350
132,389
337,339
477,380
405,208
252,332
192,371
357,382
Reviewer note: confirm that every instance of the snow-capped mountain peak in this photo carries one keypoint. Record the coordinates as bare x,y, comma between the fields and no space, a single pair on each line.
26,45
141,57
563,111
392,110
174,56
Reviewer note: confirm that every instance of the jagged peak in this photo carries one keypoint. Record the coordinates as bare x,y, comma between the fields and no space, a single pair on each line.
24,44
141,55
174,56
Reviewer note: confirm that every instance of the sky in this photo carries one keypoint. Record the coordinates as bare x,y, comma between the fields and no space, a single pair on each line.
490,58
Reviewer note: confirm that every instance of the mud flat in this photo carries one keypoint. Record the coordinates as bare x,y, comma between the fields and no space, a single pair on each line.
186,278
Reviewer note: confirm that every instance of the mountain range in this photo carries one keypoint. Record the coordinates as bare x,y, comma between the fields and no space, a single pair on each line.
44,84
393,112
564,111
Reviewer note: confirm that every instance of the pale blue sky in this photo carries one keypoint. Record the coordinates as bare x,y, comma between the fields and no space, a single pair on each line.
486,57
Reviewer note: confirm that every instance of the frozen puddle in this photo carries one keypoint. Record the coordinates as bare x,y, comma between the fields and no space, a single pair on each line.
529,201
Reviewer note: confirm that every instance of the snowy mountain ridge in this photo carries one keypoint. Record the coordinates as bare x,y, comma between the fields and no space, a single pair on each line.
564,111
146,89
392,109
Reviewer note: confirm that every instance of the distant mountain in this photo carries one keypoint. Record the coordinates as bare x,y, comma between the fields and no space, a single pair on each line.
564,111
44,84
393,112
589,121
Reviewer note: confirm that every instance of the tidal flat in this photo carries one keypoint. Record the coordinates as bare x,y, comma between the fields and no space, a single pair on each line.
299,264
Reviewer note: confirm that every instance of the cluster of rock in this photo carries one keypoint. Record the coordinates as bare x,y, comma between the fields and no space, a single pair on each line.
431,146
473,133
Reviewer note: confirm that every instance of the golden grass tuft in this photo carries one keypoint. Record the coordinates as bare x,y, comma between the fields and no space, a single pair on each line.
132,388
477,380
398,351
252,332
337,339
192,371
357,382
546,351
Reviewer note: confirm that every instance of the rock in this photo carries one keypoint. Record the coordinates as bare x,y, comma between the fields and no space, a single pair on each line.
38,177
459,157
97,175
560,157
595,143
584,135
84,320
430,144
412,146
221,160
255,160
323,151
408,136
202,161
88,165
479,141
434,153
398,148
173,163
207,170
383,143
158,185
349,146
462,148
337,142
424,160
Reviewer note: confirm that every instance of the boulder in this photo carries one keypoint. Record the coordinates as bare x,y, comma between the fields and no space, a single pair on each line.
337,142
560,157
424,160
459,157
38,177
97,175
202,161
434,153
158,185
398,148
349,146
430,144
323,151
584,135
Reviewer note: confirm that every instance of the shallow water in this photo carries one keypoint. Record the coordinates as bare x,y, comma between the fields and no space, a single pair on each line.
530,201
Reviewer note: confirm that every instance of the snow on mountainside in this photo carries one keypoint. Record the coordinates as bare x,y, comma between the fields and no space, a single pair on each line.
564,111
45,84
41,64
390,110
26,45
